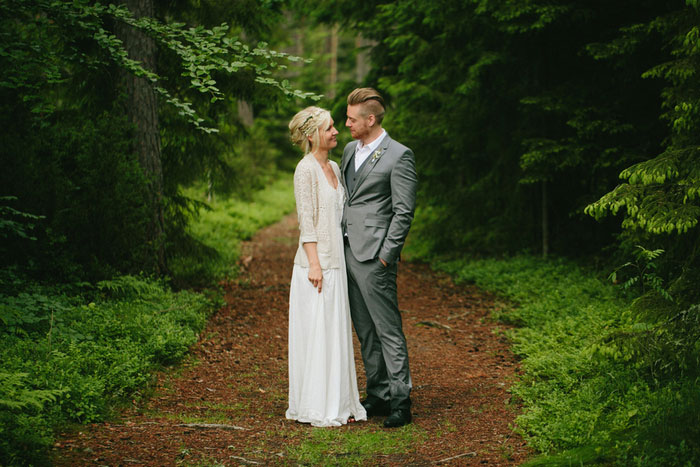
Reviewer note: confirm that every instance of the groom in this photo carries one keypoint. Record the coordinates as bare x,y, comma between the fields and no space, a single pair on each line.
380,179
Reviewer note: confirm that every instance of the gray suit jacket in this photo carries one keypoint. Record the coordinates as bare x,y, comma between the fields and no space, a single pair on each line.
379,211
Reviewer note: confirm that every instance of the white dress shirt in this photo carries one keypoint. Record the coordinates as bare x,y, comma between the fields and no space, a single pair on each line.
362,151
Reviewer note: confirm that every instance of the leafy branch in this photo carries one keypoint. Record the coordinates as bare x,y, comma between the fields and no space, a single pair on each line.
644,273
661,195
9,226
201,51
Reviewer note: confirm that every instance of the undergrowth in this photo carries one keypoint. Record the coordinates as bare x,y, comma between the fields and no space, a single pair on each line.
220,227
72,353
602,383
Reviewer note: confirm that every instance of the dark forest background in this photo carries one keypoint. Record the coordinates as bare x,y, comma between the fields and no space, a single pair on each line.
554,129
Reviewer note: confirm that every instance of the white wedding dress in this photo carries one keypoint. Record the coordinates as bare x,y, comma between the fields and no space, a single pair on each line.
322,380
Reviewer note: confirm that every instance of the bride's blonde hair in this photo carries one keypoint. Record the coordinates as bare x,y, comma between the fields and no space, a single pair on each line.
305,124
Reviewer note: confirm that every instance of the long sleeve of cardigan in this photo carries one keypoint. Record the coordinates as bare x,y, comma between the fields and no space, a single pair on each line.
303,193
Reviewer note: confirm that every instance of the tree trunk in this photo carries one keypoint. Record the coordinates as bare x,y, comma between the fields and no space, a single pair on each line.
299,38
143,113
245,113
210,186
545,222
245,108
334,61
361,59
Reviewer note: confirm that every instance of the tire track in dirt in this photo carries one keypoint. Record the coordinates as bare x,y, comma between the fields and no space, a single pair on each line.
225,404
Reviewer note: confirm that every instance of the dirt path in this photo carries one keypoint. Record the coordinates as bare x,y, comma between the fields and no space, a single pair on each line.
237,379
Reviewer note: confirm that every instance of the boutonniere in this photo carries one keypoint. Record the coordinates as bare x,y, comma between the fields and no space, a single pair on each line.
377,154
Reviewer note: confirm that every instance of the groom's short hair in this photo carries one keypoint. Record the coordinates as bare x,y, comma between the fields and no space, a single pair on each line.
370,101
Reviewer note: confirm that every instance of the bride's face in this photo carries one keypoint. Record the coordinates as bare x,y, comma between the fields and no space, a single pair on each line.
326,137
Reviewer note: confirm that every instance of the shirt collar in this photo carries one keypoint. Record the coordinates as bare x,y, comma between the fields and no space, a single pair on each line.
373,145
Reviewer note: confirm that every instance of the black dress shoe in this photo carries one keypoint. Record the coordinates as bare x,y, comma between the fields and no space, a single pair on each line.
376,407
399,417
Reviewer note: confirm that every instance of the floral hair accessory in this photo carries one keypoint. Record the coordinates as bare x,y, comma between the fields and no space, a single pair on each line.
310,124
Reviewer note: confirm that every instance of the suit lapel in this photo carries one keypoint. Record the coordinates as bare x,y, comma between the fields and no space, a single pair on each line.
371,161
348,156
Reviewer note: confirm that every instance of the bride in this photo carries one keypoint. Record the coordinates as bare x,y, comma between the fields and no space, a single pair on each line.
322,381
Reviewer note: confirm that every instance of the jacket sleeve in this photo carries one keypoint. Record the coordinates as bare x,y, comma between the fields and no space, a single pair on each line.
304,196
404,182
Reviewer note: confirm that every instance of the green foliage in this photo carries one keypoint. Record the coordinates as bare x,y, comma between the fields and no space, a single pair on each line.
662,349
645,276
128,287
522,114
14,395
661,194
29,311
89,193
70,353
14,222
494,96
218,230
70,357
600,385
67,146
201,51
23,432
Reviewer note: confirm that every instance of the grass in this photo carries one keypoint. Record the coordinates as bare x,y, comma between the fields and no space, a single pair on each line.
353,447
595,388
219,230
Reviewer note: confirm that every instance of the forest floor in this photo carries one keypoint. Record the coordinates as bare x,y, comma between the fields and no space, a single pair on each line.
225,404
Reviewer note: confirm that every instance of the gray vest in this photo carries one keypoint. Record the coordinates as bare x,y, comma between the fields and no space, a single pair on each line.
351,174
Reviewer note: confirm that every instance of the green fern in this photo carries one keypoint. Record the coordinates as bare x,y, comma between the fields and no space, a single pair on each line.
129,287
644,275
16,396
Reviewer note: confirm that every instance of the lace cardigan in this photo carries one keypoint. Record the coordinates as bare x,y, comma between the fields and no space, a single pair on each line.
319,208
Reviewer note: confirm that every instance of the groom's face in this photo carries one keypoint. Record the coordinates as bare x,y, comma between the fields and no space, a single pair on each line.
357,123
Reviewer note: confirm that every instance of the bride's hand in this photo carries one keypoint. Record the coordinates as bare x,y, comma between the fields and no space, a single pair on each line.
316,277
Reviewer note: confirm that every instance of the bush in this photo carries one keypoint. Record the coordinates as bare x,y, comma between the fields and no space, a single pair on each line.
218,230
601,385
71,358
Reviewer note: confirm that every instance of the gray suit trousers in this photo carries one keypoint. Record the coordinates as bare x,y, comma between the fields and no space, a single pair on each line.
377,321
